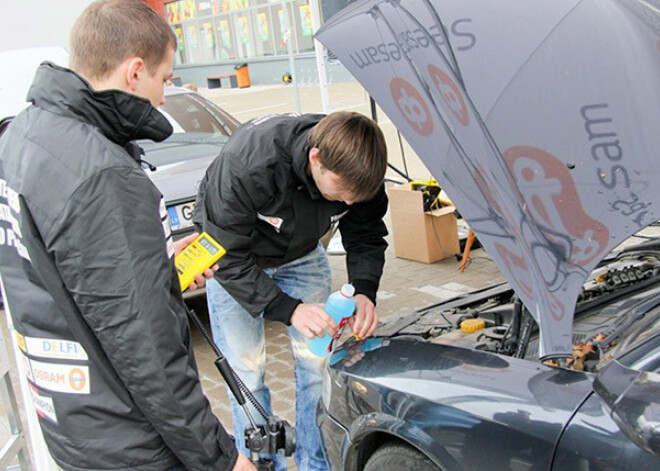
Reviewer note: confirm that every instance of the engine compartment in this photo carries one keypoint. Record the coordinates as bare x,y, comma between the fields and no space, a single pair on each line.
619,295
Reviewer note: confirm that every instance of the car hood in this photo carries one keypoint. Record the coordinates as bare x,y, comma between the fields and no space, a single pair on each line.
463,379
181,161
551,173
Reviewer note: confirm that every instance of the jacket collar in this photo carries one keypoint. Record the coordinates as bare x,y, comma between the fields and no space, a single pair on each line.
300,159
120,116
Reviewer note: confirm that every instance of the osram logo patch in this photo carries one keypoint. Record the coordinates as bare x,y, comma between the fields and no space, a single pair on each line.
272,220
70,379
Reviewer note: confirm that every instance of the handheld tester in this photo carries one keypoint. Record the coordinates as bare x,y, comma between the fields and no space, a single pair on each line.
197,257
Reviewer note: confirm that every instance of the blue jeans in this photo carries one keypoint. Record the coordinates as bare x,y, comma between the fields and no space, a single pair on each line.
241,339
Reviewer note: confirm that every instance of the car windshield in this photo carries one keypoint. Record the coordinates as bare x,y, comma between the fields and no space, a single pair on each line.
186,113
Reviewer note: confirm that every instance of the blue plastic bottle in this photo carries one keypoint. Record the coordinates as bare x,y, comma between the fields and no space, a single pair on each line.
340,305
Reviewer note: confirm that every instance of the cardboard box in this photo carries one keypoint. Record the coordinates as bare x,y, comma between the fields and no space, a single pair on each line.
418,235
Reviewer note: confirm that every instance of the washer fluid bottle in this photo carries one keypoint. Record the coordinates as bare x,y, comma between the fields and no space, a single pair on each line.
340,306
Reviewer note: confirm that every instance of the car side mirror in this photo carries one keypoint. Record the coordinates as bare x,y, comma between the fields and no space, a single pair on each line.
632,397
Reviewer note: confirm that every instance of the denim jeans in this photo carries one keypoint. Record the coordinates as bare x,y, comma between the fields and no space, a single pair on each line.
241,339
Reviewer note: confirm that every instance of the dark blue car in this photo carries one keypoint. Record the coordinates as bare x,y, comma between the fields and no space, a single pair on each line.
425,394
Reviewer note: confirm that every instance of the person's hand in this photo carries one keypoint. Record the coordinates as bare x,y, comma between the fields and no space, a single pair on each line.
364,322
311,320
200,278
243,464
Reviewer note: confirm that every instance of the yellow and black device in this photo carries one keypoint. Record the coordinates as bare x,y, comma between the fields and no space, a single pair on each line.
431,191
199,255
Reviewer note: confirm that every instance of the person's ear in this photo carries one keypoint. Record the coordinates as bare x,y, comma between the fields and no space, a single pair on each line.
314,156
134,70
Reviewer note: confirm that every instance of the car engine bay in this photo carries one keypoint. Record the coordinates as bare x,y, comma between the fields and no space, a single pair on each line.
617,305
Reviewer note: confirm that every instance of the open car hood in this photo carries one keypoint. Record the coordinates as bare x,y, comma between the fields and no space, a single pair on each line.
536,120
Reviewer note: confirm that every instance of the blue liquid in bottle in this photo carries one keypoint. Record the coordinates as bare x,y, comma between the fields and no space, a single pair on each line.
340,305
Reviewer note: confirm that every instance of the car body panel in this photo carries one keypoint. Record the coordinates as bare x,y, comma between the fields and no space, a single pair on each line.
469,402
407,388
594,441
178,179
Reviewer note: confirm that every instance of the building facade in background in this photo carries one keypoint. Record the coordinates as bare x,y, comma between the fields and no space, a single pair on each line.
217,31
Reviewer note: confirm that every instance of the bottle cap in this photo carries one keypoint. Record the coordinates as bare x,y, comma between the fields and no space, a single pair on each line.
347,290
472,325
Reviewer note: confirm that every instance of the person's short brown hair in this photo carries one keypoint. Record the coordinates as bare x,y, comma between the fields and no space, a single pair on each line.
110,31
352,146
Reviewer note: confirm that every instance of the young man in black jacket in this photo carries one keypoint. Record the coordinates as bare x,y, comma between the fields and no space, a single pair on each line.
274,190
134,400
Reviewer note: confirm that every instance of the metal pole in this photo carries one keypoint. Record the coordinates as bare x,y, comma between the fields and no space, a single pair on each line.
292,62
319,50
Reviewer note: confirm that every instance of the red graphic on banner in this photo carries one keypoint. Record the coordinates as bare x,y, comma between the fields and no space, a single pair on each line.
451,94
412,106
549,190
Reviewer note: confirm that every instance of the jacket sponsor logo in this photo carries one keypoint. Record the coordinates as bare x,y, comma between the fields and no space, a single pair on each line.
20,340
54,348
272,220
167,229
43,405
10,231
337,217
70,379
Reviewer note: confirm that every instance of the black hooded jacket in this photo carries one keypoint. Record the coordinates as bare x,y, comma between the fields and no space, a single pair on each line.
70,157
259,202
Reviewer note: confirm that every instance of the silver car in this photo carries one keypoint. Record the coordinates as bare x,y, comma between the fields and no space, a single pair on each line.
177,164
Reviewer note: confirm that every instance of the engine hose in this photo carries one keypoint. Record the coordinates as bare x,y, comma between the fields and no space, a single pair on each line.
525,333
512,335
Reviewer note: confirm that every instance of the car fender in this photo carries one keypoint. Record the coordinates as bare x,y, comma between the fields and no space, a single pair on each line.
378,424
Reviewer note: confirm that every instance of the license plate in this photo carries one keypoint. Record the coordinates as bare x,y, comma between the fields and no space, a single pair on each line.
181,215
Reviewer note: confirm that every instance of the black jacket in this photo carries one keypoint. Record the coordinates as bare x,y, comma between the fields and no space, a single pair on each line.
258,201
105,224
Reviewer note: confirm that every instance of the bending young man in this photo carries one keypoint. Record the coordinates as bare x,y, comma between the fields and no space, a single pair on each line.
274,190
71,159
